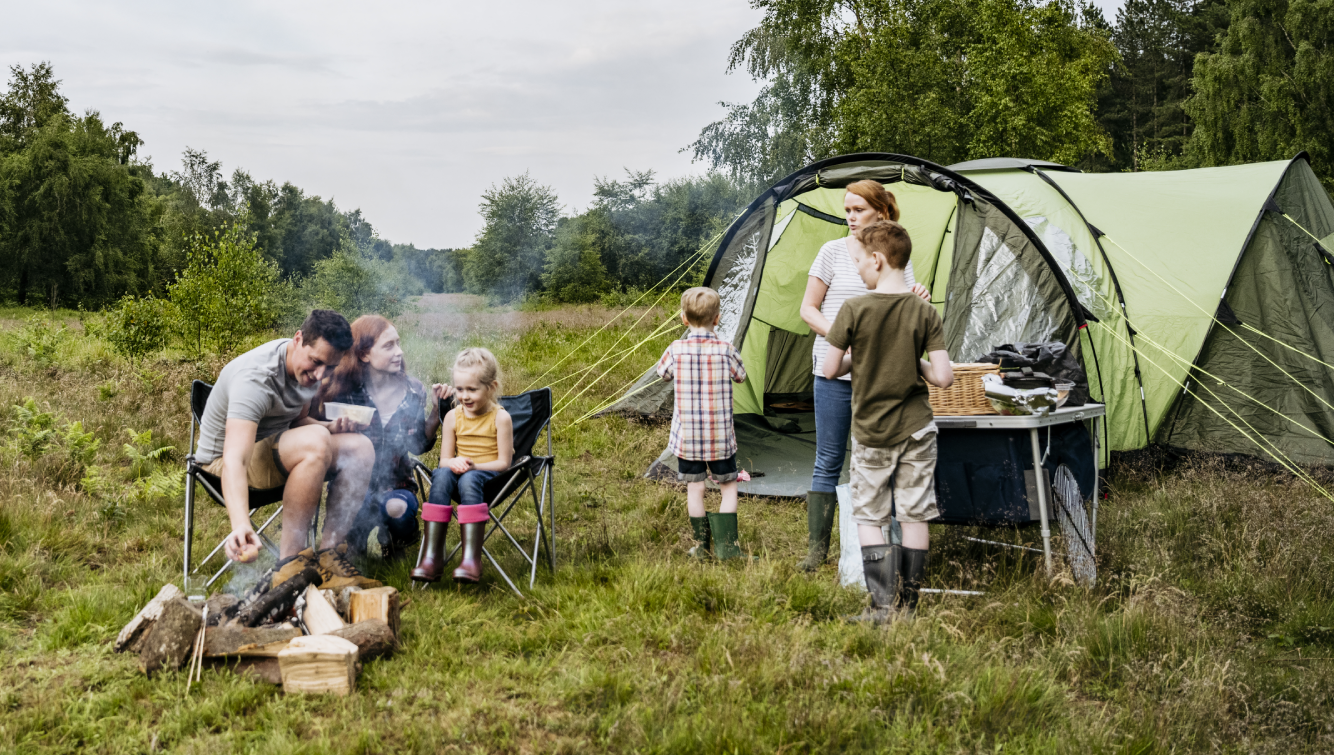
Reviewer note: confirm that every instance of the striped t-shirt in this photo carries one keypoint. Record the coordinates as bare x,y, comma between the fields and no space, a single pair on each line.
835,267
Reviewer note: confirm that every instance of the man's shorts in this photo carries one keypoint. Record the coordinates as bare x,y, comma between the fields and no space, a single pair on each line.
263,470
724,470
896,481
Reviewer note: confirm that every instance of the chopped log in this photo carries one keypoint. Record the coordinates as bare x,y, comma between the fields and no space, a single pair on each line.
373,638
274,605
259,669
234,640
319,617
345,602
172,637
221,607
319,663
131,637
379,603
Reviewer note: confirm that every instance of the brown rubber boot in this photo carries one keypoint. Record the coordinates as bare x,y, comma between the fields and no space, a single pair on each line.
431,566
470,568
338,572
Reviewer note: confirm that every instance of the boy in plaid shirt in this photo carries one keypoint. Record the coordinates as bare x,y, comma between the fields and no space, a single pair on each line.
704,367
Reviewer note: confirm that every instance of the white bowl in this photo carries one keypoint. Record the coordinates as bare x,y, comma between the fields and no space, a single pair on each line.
362,415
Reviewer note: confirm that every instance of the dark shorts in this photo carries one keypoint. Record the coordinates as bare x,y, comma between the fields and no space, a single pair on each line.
724,470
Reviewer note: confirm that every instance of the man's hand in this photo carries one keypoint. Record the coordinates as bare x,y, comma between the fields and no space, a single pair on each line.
459,464
344,425
921,291
242,545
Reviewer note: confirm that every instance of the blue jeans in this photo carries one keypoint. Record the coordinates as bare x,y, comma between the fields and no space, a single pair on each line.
833,423
465,488
402,530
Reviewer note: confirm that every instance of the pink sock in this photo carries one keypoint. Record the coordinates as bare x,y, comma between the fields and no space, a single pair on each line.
473,513
433,512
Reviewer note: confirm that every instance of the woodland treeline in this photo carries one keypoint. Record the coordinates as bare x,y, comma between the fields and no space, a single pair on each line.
1166,84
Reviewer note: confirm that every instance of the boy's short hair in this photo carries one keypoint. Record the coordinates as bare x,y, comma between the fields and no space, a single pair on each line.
701,306
329,325
887,238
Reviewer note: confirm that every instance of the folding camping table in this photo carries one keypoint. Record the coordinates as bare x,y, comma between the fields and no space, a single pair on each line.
1064,415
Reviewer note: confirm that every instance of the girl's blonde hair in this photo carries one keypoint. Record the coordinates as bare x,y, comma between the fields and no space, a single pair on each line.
484,364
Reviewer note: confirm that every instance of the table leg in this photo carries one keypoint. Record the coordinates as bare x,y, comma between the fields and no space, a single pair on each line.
1040,480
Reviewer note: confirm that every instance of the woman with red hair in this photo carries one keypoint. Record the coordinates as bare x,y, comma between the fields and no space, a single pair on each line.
834,280
406,422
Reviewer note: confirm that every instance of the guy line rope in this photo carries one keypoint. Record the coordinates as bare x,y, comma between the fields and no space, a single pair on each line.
687,263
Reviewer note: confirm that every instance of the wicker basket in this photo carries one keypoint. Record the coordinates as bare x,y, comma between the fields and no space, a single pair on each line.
966,395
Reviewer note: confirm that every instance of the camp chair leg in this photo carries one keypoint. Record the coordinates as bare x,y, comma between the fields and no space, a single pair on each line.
189,514
503,575
515,543
263,539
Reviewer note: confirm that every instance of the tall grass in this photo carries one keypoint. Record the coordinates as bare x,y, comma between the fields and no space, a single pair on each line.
1211,627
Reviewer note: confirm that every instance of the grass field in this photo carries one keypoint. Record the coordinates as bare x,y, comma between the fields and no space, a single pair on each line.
1211,628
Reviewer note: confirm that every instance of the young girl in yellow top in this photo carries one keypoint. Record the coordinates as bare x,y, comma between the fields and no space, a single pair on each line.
476,444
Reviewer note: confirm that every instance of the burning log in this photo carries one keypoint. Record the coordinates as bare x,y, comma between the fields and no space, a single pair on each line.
319,663
131,637
171,638
379,603
274,605
373,638
232,640
222,608
317,615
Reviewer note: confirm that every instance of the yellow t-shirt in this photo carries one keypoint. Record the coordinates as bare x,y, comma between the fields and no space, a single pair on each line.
475,437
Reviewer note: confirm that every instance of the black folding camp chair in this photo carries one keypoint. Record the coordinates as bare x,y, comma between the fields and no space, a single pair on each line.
195,474
528,473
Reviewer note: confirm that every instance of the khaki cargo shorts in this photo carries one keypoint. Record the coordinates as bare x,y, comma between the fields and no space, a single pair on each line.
903,474
263,470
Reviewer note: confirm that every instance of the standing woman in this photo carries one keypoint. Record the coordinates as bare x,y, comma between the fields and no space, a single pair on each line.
834,280
406,422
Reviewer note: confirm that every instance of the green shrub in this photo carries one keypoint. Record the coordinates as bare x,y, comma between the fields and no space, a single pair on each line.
227,291
354,285
41,339
137,327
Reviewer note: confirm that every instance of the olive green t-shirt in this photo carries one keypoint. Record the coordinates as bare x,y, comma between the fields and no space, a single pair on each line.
888,333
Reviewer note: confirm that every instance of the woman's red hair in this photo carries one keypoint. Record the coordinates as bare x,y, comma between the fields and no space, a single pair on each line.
350,372
876,195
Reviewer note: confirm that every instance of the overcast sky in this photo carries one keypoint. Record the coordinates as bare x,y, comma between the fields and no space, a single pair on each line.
408,110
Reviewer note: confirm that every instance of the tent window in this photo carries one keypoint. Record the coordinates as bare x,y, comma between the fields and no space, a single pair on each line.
1078,270
1006,305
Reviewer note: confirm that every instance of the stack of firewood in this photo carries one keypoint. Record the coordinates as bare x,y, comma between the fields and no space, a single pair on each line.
296,635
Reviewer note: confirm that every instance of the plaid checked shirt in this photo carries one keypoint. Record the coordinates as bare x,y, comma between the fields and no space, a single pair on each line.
704,367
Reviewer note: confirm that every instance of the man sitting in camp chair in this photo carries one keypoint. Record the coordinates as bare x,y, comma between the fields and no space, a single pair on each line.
255,433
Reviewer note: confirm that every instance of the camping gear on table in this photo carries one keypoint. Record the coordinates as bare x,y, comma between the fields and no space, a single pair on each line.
966,395
1040,365
1031,394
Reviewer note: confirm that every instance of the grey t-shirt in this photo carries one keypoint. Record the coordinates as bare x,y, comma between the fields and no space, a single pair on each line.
256,387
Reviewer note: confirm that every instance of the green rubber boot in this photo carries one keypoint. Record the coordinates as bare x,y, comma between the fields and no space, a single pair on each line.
723,530
914,574
699,527
821,510
880,565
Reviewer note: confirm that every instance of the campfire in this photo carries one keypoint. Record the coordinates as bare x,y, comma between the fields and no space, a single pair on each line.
296,635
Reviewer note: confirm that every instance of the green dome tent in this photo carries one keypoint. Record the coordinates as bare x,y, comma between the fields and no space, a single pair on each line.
1212,295
990,275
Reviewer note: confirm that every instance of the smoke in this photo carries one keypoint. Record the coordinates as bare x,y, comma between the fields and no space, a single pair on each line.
245,576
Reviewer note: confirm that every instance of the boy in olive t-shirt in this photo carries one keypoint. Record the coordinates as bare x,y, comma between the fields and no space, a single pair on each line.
893,429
